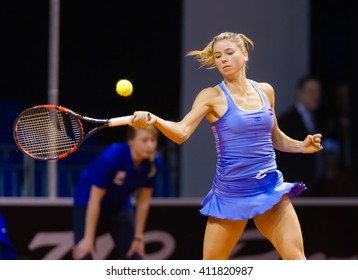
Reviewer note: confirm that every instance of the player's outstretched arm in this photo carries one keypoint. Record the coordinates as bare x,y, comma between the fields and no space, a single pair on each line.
180,131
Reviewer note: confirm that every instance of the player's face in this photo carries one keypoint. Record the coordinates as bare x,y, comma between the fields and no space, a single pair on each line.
144,144
228,57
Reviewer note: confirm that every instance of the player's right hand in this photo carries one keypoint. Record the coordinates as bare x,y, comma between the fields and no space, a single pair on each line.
142,119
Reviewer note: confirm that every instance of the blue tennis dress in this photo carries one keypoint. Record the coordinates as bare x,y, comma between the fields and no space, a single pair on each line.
247,182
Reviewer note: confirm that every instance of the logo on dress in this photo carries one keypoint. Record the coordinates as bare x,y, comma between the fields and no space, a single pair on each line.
270,112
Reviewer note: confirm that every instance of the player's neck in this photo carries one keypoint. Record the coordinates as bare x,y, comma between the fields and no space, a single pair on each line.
136,159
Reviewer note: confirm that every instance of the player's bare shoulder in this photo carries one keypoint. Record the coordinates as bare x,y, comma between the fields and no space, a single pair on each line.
268,90
265,87
209,94
211,91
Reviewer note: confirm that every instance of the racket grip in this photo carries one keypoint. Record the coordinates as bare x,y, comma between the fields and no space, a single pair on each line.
119,121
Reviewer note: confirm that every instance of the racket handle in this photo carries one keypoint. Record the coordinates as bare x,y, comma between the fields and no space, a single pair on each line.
119,121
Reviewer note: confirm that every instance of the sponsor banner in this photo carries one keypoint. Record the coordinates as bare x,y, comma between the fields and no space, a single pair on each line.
175,230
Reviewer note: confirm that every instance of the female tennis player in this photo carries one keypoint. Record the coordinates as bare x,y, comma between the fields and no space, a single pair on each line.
247,182
104,190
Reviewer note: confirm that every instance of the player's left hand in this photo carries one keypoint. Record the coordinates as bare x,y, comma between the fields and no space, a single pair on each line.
312,143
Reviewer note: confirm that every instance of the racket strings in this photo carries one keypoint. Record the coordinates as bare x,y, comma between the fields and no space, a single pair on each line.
48,133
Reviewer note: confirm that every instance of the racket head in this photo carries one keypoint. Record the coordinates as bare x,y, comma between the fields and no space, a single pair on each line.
47,132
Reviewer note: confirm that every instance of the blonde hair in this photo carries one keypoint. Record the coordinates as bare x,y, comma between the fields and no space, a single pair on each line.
206,56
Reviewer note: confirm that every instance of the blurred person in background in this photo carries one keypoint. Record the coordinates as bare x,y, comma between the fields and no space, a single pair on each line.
7,250
336,180
339,121
102,196
301,119
339,131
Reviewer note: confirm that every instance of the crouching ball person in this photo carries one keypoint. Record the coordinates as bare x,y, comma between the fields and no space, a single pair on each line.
103,195
247,184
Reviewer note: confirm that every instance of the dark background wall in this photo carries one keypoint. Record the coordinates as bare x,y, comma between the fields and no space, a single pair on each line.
99,44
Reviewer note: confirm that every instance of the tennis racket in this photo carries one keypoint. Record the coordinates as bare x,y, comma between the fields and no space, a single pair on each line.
48,132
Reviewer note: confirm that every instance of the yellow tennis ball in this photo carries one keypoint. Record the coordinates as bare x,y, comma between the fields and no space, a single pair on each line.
124,87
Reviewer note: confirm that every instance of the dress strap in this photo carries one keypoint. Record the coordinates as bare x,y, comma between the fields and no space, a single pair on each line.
263,96
223,88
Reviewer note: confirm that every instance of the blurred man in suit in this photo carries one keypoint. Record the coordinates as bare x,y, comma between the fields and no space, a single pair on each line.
298,121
